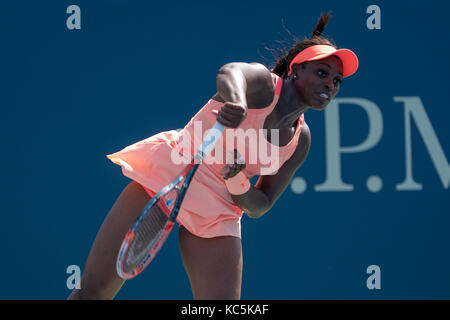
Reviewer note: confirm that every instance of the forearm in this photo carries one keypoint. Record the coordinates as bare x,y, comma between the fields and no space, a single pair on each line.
231,84
232,87
254,202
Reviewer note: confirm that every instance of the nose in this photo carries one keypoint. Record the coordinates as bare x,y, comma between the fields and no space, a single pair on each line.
329,84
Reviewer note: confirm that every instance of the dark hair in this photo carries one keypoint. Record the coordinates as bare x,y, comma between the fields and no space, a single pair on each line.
281,65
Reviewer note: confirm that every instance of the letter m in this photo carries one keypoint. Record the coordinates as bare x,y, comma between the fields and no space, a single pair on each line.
414,110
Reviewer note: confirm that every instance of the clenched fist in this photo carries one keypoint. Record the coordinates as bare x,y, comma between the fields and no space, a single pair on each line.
231,114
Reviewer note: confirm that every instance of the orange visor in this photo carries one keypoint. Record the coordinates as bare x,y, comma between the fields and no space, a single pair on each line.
317,52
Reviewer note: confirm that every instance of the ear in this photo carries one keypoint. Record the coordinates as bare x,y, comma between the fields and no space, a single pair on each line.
294,68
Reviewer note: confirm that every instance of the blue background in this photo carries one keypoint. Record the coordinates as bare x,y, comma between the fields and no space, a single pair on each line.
69,97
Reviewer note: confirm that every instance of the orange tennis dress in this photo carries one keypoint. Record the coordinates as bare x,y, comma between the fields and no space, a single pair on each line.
207,209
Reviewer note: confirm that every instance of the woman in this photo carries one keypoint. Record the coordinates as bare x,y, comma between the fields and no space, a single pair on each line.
249,97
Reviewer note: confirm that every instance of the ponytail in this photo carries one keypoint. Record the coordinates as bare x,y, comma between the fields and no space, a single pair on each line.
281,65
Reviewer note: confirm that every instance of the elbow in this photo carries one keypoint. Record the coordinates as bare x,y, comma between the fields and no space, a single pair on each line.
254,215
255,203
257,213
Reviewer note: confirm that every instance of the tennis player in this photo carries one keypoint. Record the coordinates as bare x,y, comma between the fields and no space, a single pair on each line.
249,96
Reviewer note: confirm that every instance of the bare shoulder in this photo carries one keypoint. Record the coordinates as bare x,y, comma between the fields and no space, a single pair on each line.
260,82
261,78
255,73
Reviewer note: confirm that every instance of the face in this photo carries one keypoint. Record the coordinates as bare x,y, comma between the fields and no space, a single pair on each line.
318,82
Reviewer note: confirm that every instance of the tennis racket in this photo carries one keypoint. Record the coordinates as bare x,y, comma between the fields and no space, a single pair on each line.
151,229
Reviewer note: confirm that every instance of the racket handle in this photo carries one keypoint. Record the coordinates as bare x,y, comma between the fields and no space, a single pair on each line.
208,143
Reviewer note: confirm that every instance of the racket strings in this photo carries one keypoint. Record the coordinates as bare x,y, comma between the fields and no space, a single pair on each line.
150,231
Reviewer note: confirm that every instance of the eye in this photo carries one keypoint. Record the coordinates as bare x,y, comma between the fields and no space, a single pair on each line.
337,81
322,73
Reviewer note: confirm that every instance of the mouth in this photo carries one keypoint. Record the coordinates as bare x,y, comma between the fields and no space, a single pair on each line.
324,96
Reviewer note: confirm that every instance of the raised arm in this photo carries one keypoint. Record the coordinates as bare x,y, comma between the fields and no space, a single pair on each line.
240,84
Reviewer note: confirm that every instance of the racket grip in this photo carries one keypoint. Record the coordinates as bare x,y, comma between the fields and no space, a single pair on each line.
210,140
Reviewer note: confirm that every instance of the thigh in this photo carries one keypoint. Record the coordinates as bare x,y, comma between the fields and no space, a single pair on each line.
213,265
100,279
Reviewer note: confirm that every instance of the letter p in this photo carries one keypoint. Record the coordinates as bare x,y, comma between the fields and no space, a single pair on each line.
333,143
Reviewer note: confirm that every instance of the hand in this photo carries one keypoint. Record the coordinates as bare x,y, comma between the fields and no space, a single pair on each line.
231,114
232,169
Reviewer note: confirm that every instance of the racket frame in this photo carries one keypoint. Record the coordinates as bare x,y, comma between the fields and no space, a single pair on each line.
186,174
